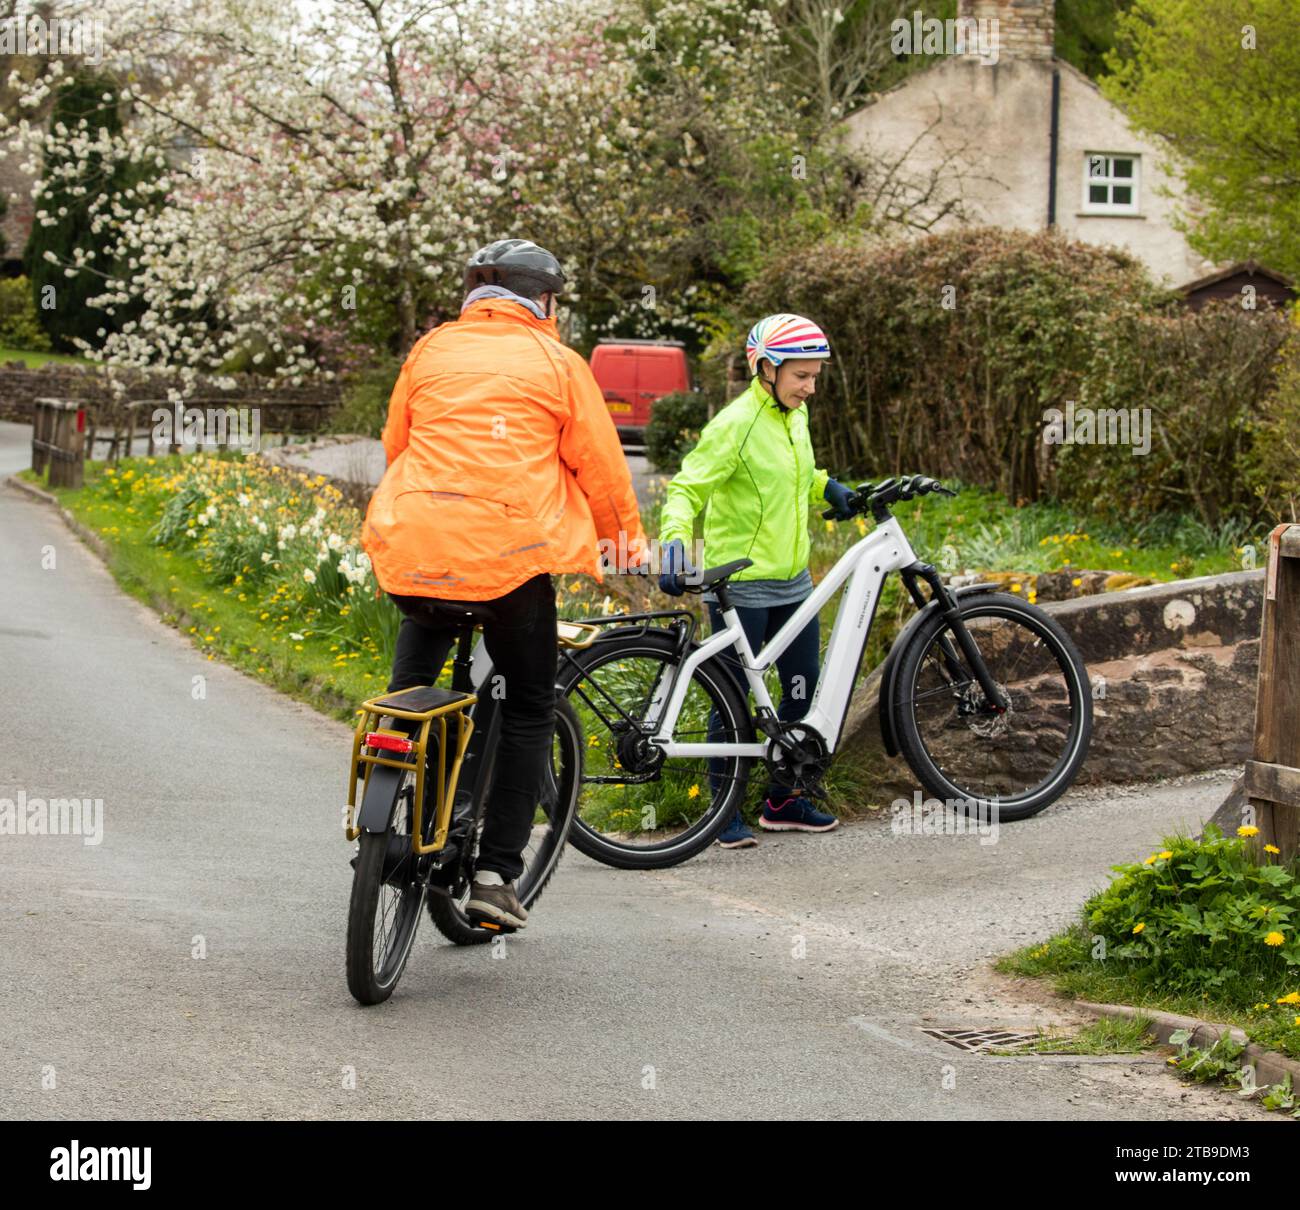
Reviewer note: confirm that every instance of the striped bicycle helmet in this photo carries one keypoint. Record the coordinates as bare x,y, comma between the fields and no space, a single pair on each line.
780,336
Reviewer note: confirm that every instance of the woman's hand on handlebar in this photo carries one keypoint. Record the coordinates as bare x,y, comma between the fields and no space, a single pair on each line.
841,499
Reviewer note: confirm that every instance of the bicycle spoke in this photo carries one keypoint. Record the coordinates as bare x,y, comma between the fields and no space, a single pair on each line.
995,754
647,803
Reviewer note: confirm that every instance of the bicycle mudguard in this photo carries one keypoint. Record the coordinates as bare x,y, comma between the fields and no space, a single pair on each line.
887,731
381,793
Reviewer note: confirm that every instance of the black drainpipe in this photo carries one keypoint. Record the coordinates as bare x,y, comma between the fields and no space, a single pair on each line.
1056,132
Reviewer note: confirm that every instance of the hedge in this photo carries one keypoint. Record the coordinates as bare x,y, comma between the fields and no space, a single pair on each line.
948,352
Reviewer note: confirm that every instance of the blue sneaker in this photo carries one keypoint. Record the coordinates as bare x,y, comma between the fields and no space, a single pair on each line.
795,815
736,835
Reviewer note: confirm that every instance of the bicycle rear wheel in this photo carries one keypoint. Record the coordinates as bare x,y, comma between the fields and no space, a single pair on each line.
639,810
557,804
1004,766
384,911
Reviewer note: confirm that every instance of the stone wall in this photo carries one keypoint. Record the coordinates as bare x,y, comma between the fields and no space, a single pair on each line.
1173,668
299,409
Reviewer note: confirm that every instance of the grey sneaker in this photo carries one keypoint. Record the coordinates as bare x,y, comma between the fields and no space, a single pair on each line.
495,907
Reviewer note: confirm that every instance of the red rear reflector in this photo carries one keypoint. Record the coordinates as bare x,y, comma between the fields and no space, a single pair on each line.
393,743
81,421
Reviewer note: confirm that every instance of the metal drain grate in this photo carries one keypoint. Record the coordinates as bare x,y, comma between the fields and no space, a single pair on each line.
981,1041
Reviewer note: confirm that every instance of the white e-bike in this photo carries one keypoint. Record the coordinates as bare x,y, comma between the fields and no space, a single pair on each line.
983,694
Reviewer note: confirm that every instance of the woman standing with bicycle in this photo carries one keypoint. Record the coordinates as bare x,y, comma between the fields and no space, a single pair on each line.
755,473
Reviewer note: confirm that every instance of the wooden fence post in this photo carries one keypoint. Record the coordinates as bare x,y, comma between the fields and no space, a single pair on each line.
58,440
40,435
1272,779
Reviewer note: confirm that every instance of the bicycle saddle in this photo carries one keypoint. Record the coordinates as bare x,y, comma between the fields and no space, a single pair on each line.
713,575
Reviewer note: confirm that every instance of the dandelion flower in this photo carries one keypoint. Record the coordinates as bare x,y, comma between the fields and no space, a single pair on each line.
1247,830
1275,939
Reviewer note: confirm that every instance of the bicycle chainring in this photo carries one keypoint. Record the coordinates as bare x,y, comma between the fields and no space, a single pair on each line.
803,770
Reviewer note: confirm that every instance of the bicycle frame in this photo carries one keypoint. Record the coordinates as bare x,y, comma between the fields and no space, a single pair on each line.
861,571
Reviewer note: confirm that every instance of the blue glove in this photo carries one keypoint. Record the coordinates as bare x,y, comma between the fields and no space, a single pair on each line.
839,498
673,567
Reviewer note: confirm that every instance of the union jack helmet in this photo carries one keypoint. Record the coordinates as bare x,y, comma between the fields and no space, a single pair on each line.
780,336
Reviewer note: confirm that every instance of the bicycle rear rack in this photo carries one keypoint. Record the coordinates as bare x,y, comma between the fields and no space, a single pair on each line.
425,705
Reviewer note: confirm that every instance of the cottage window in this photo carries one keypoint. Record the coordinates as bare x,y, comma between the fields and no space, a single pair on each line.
1110,184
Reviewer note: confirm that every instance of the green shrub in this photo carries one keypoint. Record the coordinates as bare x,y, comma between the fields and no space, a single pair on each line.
1202,917
674,428
20,326
946,350
1274,470
1205,376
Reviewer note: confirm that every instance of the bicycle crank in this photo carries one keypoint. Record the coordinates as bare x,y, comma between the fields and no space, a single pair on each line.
797,757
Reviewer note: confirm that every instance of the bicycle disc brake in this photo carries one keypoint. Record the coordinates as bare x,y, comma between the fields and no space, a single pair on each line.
984,721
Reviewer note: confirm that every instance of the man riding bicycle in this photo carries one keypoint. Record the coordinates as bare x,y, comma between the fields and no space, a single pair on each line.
504,468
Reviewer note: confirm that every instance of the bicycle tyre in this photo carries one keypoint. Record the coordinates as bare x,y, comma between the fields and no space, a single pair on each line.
449,915
367,984
723,692
923,762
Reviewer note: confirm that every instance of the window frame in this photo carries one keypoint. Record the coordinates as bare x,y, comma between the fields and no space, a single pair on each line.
1110,180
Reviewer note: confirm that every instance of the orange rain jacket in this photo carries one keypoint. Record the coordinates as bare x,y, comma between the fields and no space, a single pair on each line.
503,463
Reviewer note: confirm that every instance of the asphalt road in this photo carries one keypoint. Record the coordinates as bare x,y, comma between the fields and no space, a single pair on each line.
191,964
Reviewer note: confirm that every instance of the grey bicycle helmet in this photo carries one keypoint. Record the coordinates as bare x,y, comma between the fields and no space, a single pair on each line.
517,264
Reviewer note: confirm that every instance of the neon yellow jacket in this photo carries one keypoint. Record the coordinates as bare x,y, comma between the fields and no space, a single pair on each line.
755,471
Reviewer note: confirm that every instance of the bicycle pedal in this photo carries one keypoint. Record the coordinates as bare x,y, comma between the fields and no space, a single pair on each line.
479,921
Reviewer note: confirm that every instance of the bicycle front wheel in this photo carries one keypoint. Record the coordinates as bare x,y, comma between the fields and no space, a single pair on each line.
1004,765
638,809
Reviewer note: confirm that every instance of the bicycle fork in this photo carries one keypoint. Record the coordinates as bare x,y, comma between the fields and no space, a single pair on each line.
950,661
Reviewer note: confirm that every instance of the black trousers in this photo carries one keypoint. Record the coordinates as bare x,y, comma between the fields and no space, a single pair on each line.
519,632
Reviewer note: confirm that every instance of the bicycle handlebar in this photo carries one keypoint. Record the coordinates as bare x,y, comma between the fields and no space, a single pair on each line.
879,496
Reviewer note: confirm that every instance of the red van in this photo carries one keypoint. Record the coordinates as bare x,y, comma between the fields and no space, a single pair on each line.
633,374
